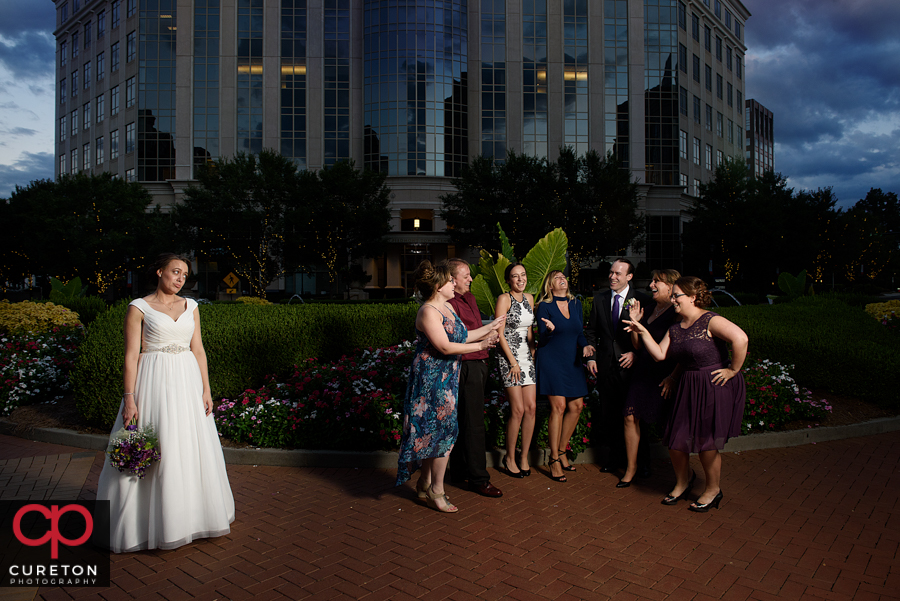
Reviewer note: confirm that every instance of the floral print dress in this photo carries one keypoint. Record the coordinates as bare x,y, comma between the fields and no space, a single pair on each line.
519,319
429,411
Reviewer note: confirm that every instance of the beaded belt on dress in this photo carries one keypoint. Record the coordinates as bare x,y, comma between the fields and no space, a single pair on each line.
173,349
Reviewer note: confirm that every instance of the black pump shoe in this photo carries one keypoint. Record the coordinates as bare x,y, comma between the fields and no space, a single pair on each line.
705,506
670,500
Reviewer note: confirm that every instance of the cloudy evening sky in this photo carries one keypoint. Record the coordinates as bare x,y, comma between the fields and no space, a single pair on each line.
828,69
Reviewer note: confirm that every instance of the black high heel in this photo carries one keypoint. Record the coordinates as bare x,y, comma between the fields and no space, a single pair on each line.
509,472
568,468
703,508
670,500
552,477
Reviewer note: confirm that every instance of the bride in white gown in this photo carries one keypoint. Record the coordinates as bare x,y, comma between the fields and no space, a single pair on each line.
185,495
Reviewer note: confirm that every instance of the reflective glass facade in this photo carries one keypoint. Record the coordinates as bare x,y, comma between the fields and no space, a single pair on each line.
575,75
336,81
156,91
250,76
415,86
615,82
206,81
534,77
493,78
293,80
661,91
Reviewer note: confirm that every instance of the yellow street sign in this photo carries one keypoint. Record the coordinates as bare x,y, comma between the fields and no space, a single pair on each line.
231,291
231,280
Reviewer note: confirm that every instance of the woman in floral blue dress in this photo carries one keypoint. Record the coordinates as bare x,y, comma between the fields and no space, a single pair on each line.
429,411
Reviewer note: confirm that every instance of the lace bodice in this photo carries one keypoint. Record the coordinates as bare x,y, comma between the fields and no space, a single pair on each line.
161,333
694,347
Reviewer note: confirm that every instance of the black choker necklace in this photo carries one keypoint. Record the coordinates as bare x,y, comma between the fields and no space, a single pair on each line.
560,298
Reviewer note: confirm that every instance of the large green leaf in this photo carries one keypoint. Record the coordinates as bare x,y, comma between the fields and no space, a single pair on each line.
484,296
547,255
506,249
487,268
790,285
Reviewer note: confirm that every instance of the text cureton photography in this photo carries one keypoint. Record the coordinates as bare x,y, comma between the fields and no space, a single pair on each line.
52,543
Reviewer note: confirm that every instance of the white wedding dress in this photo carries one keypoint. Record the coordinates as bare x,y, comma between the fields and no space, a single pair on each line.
185,495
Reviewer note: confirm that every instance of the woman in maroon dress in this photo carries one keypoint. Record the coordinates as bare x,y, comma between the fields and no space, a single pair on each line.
709,404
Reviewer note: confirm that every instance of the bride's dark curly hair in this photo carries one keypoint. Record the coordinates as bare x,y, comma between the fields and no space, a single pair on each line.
694,286
431,277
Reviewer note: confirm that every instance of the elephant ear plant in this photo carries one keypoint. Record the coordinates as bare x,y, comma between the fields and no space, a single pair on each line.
792,286
548,254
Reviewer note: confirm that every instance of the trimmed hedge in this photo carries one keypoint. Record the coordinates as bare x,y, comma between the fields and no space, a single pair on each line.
832,345
244,343
87,307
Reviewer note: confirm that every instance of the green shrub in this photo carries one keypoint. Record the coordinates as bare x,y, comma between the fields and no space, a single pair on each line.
87,307
244,344
832,345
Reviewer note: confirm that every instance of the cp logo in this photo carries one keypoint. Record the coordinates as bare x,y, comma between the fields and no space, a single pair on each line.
53,535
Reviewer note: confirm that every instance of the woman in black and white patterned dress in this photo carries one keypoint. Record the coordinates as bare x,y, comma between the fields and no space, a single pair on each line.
517,367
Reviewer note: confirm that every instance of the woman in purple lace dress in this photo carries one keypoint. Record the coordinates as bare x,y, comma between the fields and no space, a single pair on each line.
709,403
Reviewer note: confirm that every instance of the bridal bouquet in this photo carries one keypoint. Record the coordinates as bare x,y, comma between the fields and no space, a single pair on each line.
133,449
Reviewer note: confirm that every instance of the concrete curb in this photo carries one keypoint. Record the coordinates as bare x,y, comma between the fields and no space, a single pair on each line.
386,460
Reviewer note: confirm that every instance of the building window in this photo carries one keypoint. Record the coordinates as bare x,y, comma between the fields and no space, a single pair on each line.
86,156
682,58
113,144
87,34
617,113
730,131
87,75
101,24
719,86
129,175
74,84
129,92
75,45
682,16
730,94
86,113
697,151
206,79
576,96
728,57
719,126
708,157
737,66
63,129
708,118
684,181
695,27
131,8
129,138
250,77
740,102
114,57
74,122
708,70
697,110
720,158
718,49
683,144
130,47
63,53
62,90
100,150
696,69
683,101
727,19
155,84
707,38
493,77
737,28
73,163
114,14
718,9
64,13
534,71
101,108
697,185
62,164
101,66
114,101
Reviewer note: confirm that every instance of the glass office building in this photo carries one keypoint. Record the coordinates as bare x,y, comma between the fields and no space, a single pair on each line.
152,89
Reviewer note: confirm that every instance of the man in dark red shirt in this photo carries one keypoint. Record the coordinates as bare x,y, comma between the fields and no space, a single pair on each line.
468,460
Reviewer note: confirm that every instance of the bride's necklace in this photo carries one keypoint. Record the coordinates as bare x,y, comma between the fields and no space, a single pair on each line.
167,306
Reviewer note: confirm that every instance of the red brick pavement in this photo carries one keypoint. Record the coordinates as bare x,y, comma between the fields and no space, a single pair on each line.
811,522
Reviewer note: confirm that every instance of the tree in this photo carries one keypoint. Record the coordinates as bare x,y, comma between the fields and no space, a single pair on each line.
92,226
590,197
249,211
350,216
868,239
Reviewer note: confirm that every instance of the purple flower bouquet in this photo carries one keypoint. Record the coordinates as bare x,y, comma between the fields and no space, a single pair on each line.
133,449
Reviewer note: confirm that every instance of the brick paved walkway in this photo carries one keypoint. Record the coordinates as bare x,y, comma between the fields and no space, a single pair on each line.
810,522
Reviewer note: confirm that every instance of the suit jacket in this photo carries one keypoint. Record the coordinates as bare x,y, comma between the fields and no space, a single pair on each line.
609,345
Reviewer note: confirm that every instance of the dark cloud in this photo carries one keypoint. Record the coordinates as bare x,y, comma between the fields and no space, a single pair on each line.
17,16
29,55
29,167
22,131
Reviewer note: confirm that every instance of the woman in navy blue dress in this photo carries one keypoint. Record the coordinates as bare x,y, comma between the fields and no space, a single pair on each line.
560,370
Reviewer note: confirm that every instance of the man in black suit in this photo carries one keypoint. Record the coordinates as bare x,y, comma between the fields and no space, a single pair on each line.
612,360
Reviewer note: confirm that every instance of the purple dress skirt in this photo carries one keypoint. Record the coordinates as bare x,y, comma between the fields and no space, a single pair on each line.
704,415
644,400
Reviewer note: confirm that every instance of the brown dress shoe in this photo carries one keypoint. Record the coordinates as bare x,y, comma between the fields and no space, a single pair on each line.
485,489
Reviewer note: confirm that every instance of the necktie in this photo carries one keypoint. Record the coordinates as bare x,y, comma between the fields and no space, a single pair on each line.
615,311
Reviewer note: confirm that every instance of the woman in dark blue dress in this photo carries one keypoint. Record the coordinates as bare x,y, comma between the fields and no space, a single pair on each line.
560,370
